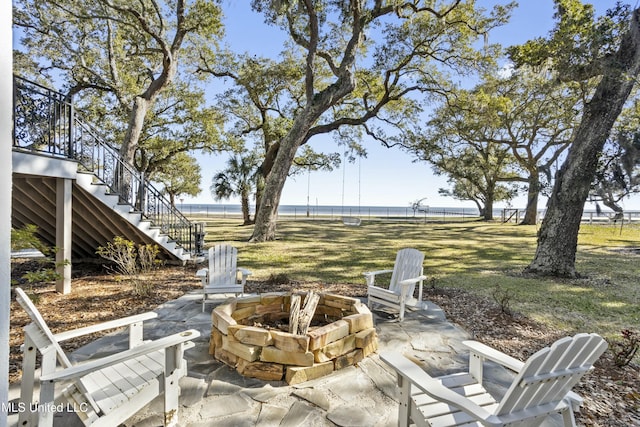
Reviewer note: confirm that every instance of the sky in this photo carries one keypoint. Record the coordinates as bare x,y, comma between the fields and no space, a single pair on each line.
387,176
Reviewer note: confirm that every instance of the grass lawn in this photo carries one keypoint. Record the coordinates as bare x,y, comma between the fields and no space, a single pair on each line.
474,256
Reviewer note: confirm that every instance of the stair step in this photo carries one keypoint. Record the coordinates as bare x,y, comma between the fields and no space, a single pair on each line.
86,177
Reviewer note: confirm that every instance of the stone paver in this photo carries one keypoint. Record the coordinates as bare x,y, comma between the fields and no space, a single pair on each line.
362,395
351,416
316,397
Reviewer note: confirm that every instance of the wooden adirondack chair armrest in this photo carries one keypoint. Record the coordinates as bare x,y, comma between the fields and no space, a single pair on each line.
203,274
245,272
370,276
409,371
85,368
408,282
486,352
112,324
574,400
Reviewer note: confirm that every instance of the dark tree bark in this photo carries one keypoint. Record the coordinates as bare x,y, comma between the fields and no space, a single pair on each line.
533,191
244,203
558,236
266,214
316,105
488,209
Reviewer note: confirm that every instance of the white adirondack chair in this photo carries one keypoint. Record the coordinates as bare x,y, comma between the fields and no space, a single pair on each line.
541,387
104,391
222,275
406,273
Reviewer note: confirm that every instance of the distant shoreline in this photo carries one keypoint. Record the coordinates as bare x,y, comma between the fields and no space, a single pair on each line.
406,212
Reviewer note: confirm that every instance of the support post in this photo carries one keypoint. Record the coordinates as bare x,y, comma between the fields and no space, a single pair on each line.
63,234
6,142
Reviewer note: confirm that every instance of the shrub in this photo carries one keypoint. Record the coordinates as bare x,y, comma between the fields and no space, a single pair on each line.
147,255
122,253
626,349
278,279
130,261
43,269
503,297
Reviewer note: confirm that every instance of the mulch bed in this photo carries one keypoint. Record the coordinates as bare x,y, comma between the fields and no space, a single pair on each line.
611,393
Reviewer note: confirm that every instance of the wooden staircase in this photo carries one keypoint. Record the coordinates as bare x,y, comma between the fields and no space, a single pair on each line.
51,143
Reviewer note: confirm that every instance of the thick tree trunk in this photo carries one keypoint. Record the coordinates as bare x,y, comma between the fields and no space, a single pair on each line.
142,103
263,173
558,236
134,129
479,206
531,211
123,183
488,209
267,213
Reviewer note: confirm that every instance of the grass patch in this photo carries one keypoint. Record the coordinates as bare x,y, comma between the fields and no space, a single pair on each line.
474,256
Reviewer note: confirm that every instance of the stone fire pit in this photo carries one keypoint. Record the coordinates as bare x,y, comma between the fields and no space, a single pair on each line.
344,337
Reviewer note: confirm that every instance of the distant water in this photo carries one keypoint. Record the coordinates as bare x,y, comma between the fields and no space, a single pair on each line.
301,210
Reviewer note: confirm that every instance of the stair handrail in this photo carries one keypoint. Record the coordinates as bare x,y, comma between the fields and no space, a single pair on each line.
45,121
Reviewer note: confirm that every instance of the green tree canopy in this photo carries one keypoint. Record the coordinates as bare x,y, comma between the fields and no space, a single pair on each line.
618,173
180,175
117,57
362,63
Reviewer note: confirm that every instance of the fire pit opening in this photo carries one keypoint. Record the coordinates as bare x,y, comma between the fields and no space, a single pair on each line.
294,337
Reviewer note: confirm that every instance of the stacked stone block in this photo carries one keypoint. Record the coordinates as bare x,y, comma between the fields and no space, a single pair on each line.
272,355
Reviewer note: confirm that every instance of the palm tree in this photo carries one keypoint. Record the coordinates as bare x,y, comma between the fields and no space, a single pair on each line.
238,179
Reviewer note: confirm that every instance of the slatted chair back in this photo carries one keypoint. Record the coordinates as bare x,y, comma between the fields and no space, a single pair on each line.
46,338
408,265
223,260
38,320
549,374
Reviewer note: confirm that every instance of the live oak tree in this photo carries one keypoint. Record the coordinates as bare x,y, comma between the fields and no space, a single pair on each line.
581,48
178,125
525,111
618,174
362,62
535,119
474,177
265,94
127,52
180,176
463,148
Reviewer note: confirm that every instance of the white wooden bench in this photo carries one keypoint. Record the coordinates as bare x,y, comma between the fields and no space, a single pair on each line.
351,221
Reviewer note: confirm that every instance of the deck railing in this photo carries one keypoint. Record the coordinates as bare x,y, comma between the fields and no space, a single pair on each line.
45,122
